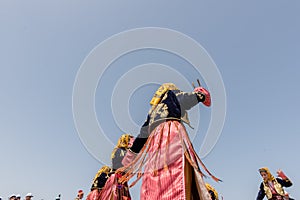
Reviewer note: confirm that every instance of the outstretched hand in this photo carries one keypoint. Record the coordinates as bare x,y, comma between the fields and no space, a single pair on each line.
205,92
281,174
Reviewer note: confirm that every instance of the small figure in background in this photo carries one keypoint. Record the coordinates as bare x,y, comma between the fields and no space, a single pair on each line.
273,187
80,195
58,197
12,197
28,196
18,197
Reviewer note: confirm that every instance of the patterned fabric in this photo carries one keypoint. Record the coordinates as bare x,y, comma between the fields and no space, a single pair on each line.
118,156
123,143
161,91
113,190
264,190
163,154
94,195
101,177
173,106
169,166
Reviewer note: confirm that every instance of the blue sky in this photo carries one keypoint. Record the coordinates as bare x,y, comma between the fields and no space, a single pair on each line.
255,46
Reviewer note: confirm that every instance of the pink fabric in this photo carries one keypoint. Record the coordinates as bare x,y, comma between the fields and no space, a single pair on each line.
128,158
164,177
94,195
111,191
271,186
109,188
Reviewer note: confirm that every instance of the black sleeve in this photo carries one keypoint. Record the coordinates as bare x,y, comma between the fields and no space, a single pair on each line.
284,183
212,194
141,139
261,193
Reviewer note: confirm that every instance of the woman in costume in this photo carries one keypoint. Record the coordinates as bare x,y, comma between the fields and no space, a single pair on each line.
98,183
273,187
113,189
162,154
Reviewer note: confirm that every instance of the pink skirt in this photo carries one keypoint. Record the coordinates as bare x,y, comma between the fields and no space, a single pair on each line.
113,190
94,195
169,166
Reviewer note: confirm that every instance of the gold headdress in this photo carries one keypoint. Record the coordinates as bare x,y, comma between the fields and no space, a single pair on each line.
210,188
123,142
161,91
266,170
105,169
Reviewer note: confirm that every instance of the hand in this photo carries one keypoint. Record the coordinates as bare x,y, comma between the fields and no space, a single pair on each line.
281,174
207,100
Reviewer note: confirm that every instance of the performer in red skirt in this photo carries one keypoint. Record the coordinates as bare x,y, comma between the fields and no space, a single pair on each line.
98,183
113,189
163,154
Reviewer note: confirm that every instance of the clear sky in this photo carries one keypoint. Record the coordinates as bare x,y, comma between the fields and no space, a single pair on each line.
254,44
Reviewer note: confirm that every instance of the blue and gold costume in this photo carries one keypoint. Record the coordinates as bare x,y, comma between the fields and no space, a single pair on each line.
272,187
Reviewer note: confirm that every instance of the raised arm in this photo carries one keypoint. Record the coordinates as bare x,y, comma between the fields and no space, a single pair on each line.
189,99
284,181
141,139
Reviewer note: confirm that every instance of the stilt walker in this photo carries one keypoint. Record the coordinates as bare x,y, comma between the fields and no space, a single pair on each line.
162,154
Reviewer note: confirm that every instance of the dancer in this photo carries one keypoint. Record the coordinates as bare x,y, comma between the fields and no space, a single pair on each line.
98,183
163,154
113,189
273,187
80,195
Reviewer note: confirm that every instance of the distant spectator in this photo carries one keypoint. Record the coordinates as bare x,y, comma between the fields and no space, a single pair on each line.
79,195
12,197
18,197
28,196
58,197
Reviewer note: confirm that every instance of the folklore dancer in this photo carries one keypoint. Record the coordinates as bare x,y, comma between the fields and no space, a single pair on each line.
98,183
163,154
273,187
113,189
